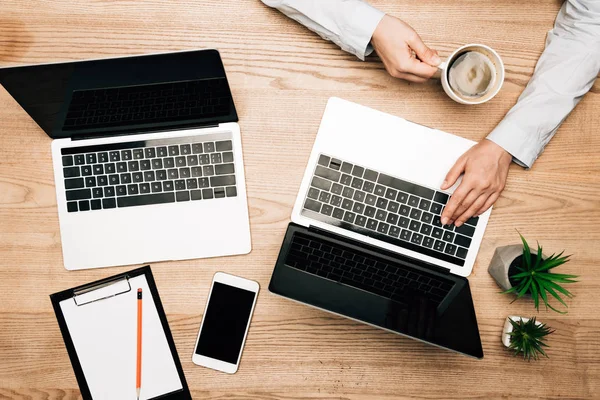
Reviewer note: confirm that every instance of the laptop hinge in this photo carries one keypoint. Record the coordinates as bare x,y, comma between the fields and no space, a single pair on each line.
98,135
401,257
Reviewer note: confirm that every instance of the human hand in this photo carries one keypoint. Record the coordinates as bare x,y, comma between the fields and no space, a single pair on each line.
402,51
485,166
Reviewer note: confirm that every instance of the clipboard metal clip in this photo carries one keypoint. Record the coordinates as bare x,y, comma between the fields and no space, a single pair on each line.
102,290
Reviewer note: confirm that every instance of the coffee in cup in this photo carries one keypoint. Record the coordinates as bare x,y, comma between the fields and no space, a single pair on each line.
473,74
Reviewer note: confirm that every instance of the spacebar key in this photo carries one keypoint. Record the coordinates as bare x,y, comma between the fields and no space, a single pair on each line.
146,199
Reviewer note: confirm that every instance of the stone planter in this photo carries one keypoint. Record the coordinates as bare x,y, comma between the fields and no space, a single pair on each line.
508,328
501,262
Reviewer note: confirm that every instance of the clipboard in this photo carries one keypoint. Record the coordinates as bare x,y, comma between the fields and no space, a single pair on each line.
98,325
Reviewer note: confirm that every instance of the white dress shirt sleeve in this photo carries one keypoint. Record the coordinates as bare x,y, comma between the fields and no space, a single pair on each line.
348,23
565,72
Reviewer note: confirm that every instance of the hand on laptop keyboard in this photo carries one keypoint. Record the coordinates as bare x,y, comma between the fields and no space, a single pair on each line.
485,166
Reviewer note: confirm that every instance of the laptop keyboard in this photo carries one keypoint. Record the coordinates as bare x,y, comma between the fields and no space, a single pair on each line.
385,208
149,172
99,108
375,275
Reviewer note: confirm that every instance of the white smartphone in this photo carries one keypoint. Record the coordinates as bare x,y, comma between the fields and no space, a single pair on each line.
225,322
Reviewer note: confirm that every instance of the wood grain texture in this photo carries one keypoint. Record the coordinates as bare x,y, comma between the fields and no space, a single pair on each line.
281,76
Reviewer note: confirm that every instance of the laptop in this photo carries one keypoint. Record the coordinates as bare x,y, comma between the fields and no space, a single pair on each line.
147,156
366,242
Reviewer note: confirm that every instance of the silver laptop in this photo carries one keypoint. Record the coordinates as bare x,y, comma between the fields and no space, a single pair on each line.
375,178
147,156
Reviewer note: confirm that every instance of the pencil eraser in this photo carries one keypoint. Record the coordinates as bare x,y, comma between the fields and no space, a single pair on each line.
140,290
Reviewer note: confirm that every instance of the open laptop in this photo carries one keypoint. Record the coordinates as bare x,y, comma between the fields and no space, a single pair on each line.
147,156
366,240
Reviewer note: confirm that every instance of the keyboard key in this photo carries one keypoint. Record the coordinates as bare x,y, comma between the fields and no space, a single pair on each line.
358,171
196,194
424,204
121,190
149,176
168,162
71,172
439,245
472,221
441,197
358,208
346,167
466,230
450,249
394,231
413,201
191,183
405,235
462,241
97,192
416,238
109,191
404,210
168,186
72,206
67,161
414,226
109,203
121,167
436,208
223,180
144,188
84,205
370,211
371,200
357,183
461,253
215,158
361,220
402,198
138,154
415,214
126,178
126,155
426,229
346,180
74,183
326,209
448,236
109,168
383,228
347,204
349,217
428,242
180,161
379,190
209,147
403,223
133,166
173,150
137,177
90,158
231,191
324,197
382,203
204,159
437,233
224,145
147,199
132,189
146,165
338,213
196,171
185,149
79,159
324,160
227,157
312,205
372,224
317,182
207,194
96,204
192,160
150,152
381,215
196,149
359,195
370,175
90,181
427,217
368,187
208,170
114,156
348,192
436,221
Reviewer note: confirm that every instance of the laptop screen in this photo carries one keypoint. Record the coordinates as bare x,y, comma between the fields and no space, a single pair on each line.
120,95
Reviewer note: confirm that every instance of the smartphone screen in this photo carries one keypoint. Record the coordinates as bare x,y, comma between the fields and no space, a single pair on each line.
225,322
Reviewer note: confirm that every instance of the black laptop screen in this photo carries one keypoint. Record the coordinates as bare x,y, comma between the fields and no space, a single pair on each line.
108,96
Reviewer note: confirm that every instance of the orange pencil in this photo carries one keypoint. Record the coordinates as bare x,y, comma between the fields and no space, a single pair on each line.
138,378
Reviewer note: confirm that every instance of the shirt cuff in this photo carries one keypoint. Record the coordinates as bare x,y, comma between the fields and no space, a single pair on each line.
516,141
359,28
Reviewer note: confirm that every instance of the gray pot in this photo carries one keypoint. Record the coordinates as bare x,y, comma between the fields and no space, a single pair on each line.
500,263
503,257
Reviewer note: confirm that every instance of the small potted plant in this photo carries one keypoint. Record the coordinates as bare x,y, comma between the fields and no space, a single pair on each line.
517,270
526,336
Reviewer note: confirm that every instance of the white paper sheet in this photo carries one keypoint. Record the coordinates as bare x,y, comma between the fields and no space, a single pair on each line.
105,337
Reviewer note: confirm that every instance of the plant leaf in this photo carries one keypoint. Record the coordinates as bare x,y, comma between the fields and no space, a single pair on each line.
538,259
521,275
526,251
534,294
556,296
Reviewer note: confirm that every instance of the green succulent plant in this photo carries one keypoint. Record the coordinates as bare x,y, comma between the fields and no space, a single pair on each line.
528,338
534,277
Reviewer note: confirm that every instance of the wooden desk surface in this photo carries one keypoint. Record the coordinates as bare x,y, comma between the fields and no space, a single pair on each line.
281,76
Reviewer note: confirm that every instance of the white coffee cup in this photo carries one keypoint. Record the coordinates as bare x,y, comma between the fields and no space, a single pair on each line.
494,85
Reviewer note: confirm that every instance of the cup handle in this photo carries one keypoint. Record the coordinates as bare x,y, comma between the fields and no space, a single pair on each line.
443,65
